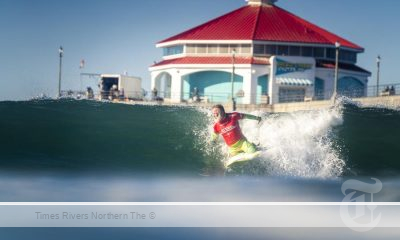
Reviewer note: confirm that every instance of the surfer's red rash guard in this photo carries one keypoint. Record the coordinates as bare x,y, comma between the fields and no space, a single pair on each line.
229,128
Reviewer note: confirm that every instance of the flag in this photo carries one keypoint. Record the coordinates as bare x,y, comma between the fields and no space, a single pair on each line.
82,64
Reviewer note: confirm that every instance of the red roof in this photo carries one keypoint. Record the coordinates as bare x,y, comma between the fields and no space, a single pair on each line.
263,23
214,60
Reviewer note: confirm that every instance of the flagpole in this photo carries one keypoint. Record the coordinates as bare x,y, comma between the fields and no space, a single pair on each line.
61,52
81,66
80,79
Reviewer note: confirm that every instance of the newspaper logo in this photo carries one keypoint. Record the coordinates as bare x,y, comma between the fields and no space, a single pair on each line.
360,217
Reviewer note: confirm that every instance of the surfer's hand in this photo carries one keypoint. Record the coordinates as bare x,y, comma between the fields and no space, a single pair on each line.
259,120
214,138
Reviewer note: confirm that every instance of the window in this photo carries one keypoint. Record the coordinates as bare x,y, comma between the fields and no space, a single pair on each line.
173,50
201,48
294,51
319,52
330,53
246,48
291,94
348,56
213,48
344,55
165,51
283,50
258,49
190,48
234,47
271,50
354,57
224,48
307,51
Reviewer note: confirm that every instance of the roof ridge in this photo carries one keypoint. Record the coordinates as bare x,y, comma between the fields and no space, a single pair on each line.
257,22
307,27
310,26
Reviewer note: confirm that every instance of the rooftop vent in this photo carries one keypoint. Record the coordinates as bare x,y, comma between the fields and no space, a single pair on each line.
259,2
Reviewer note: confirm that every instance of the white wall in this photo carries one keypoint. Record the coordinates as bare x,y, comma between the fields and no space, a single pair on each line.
307,74
250,73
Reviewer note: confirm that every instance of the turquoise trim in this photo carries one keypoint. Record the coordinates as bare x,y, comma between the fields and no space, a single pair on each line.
262,87
215,85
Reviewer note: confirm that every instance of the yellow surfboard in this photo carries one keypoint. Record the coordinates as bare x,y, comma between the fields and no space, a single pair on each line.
242,157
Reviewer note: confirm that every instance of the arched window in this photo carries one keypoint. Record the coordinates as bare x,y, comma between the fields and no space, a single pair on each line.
351,87
163,85
262,89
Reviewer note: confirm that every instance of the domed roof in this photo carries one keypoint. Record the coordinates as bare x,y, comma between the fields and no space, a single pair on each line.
262,21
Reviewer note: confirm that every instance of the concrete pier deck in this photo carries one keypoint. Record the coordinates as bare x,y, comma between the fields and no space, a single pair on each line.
385,101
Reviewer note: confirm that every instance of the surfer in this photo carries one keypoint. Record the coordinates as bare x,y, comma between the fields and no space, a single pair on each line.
227,124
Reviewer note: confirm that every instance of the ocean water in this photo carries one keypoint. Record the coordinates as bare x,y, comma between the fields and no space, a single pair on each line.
94,151
88,151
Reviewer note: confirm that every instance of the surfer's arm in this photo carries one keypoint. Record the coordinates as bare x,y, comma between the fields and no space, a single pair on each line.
214,137
251,117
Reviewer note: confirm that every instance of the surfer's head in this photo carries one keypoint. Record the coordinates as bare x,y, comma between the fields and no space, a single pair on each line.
218,112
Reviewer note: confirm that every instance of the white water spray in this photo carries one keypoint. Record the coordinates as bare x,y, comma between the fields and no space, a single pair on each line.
298,144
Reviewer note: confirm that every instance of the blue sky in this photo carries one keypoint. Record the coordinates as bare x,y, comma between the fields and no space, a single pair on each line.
114,36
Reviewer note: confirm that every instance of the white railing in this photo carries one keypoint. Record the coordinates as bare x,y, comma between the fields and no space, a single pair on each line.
223,97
